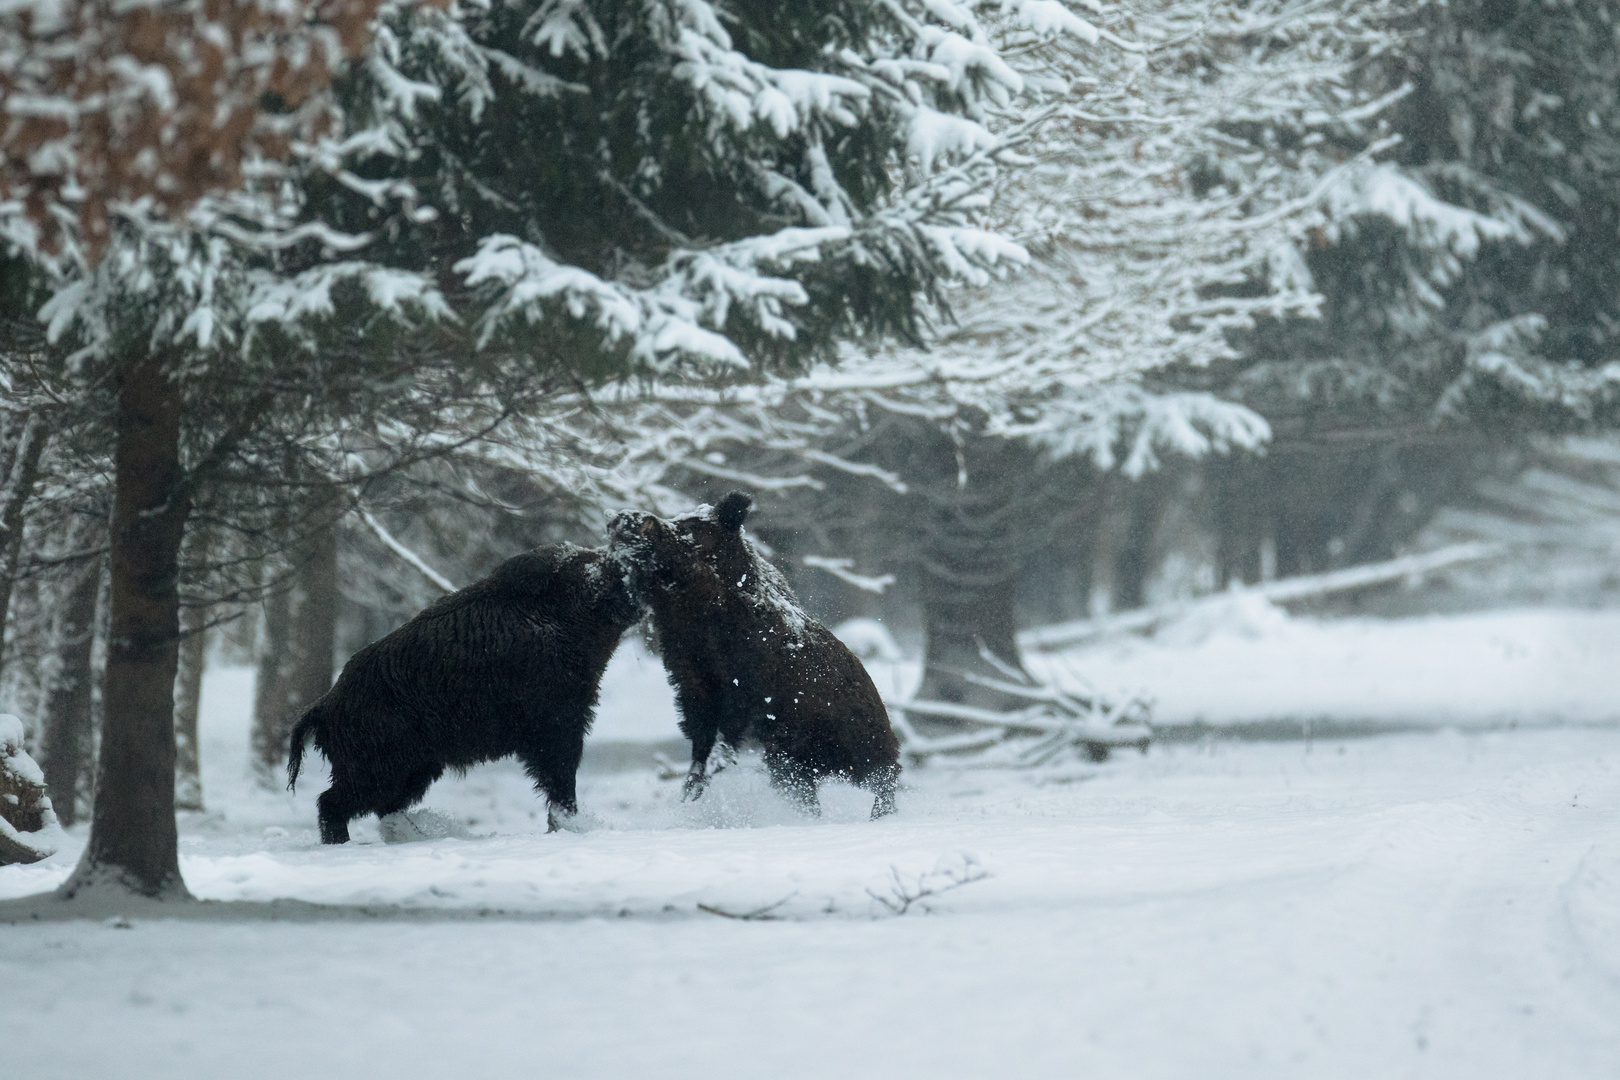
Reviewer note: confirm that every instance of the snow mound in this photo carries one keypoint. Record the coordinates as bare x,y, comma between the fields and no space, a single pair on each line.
411,826
28,828
582,821
1237,614
870,640
11,737
1486,669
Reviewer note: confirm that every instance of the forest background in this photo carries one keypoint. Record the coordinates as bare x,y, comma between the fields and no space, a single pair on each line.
1009,313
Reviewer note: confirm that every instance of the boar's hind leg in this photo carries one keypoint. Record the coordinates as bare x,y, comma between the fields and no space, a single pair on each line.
700,722
794,781
414,787
697,777
882,783
337,806
553,764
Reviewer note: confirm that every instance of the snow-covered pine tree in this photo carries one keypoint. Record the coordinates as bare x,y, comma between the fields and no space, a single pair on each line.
1449,333
1516,115
124,128
1252,138
621,185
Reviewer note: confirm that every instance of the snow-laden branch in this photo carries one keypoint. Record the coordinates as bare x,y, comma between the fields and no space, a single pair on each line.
409,557
842,570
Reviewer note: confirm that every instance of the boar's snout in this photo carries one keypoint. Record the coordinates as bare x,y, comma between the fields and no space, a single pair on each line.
631,527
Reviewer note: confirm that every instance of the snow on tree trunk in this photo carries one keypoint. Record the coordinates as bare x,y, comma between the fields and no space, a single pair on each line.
25,809
133,841
188,683
69,696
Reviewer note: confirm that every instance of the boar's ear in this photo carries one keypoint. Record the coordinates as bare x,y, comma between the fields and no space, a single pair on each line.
733,509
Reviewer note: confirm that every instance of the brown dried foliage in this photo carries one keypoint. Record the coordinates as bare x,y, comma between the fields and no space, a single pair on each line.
162,104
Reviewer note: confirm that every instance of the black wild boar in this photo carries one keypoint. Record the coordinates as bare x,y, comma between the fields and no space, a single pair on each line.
508,665
748,663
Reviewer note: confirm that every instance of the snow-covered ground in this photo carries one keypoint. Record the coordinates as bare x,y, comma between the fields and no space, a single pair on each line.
1242,662
1252,663
1440,904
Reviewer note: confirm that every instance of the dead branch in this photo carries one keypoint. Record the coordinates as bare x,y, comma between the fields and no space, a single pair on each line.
764,914
903,895
1285,590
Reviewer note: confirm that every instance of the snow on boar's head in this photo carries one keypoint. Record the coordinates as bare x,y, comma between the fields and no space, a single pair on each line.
570,584
698,556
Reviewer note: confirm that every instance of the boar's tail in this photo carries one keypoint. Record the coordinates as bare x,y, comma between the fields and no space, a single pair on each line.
307,725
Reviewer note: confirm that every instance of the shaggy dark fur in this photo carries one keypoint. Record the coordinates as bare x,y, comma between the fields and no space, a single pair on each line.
747,662
509,665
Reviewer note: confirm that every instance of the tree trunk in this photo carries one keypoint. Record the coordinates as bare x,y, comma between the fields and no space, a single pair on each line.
316,624
1365,538
133,841
1144,504
970,579
271,728
188,683
297,665
1112,531
21,474
68,699
1183,555
963,615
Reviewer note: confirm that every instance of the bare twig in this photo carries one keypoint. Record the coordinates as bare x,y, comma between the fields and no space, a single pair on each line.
764,914
903,895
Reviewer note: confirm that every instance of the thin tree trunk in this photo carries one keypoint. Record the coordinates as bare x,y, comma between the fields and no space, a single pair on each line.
1112,530
1144,505
1183,554
133,840
68,731
20,477
316,624
276,663
300,640
188,683
970,579
966,616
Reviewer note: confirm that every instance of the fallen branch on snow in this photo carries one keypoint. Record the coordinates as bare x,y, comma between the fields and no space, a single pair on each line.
903,895
1034,736
1054,721
764,914
1285,590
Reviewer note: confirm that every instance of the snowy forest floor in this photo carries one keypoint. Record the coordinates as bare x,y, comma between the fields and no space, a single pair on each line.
1420,904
